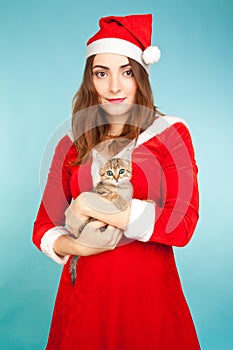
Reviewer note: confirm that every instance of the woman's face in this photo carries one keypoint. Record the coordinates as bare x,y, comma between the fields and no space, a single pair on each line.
114,83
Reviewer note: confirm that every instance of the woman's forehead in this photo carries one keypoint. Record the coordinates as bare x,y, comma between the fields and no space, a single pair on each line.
110,59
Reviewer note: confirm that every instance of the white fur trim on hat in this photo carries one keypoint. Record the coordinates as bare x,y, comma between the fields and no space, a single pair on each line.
117,46
151,54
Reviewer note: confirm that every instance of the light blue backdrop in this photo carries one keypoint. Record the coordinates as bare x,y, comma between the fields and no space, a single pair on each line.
42,58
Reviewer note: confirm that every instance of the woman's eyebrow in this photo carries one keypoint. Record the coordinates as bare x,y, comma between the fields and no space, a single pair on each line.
99,66
125,65
105,67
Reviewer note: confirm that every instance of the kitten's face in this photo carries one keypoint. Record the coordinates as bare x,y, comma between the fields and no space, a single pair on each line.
116,170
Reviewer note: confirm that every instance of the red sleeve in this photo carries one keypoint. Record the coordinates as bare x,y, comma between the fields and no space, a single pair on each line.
57,196
178,212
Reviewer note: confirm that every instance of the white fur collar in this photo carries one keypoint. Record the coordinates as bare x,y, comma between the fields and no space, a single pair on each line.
159,125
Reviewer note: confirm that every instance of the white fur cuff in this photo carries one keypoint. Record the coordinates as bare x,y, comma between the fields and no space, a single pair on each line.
47,243
141,221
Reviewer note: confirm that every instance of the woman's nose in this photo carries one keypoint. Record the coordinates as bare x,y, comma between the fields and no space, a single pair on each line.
114,84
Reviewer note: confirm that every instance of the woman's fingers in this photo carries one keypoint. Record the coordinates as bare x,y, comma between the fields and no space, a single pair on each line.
111,227
93,237
94,202
101,226
97,224
73,222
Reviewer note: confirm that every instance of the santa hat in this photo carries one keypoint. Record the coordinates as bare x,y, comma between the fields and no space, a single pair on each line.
127,36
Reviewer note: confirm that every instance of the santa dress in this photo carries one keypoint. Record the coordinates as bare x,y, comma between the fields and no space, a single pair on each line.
129,298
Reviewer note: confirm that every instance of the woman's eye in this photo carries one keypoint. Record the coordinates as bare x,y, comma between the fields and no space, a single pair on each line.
100,74
109,173
128,73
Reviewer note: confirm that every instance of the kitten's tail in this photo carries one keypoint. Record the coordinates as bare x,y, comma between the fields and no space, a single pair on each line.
72,269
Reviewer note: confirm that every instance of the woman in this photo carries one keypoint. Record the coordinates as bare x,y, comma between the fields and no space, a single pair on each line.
127,294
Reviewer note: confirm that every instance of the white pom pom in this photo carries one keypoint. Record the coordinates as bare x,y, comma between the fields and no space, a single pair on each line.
151,54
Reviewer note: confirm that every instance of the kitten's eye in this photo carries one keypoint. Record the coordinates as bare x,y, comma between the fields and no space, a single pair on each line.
121,171
109,173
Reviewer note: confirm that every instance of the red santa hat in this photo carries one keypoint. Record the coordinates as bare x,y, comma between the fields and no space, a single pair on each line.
128,36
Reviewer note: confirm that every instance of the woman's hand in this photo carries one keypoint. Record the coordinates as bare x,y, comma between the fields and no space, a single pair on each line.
89,204
97,236
76,215
91,241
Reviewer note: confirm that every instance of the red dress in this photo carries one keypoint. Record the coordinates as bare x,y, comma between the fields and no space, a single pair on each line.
129,298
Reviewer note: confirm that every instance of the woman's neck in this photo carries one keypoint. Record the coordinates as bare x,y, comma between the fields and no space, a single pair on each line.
117,124
115,129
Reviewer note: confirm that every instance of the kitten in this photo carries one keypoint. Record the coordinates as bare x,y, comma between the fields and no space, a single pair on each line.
115,186
115,182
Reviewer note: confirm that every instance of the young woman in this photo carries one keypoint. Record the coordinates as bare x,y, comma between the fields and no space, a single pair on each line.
127,294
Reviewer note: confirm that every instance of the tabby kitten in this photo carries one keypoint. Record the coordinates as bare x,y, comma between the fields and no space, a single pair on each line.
115,186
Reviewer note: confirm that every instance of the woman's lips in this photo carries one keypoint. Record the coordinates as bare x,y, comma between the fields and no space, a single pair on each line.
115,100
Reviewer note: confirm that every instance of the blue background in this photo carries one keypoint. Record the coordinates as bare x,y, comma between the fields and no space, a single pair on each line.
42,59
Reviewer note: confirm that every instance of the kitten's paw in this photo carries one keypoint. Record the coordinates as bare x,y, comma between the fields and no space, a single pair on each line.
121,203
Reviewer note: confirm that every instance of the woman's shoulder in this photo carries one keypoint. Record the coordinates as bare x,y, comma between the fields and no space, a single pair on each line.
64,141
65,145
162,124
70,135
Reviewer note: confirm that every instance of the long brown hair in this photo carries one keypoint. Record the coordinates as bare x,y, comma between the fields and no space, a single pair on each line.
89,123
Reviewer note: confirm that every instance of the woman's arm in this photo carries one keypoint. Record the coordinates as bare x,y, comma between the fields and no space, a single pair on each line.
177,215
49,233
56,196
90,204
176,211
65,246
91,241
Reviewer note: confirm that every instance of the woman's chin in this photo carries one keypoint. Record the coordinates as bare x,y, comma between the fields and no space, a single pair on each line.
116,109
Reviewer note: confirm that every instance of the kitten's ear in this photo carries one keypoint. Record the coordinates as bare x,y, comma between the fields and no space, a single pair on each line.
100,160
127,154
